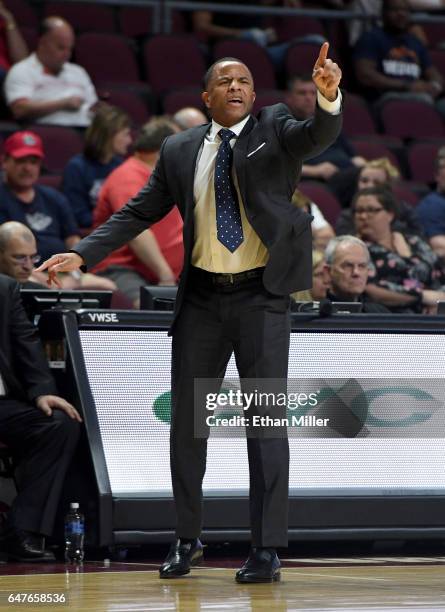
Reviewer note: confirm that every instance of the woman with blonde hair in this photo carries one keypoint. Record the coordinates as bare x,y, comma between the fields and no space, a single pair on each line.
380,172
106,143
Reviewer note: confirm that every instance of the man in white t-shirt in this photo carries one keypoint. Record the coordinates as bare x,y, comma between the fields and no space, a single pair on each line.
45,87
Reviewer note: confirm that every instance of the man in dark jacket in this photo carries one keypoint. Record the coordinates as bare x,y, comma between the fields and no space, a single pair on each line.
40,427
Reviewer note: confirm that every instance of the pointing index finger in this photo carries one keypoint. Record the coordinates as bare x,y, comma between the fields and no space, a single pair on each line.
322,55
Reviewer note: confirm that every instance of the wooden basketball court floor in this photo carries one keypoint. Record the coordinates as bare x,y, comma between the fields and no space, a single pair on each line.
358,584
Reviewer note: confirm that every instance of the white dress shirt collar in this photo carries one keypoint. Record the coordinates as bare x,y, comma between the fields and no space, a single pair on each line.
236,129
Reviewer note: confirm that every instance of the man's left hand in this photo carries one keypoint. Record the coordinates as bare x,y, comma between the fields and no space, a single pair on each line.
326,74
48,403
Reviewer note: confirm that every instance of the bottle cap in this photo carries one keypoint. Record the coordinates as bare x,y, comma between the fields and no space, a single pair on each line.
74,505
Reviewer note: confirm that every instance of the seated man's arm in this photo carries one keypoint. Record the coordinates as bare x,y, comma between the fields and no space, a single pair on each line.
203,22
368,75
390,298
146,248
25,108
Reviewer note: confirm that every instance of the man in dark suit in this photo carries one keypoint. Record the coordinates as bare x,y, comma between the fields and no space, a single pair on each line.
40,427
246,249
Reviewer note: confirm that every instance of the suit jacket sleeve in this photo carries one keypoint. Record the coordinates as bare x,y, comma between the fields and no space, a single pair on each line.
306,139
150,205
29,364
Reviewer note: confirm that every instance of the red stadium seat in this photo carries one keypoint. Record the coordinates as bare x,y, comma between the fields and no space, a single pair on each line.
59,144
357,119
172,62
410,119
422,160
288,28
23,13
30,36
129,101
108,58
83,16
135,21
325,199
374,148
253,56
300,58
267,98
175,100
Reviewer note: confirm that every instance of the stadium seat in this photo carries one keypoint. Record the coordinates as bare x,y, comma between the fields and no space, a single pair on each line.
108,58
23,13
30,36
300,58
288,28
135,21
253,56
325,199
267,98
357,119
60,144
373,148
129,101
410,119
173,61
422,160
180,98
83,16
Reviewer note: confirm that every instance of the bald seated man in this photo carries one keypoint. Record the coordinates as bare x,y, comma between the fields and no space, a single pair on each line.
19,256
189,117
47,88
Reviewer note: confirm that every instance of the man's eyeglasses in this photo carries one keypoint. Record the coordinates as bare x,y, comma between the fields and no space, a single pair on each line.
23,259
369,210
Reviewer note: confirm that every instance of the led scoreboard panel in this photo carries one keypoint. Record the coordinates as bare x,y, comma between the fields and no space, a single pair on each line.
399,450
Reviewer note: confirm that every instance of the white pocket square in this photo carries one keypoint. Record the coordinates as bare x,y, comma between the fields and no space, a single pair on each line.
257,149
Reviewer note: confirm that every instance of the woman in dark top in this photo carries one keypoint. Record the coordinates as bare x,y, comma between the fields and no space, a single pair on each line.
106,143
406,275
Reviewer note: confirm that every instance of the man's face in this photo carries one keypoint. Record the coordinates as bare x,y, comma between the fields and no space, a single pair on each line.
22,173
230,94
349,271
17,258
440,176
55,48
302,99
396,17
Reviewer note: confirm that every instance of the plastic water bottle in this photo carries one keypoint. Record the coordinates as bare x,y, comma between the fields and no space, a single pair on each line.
74,535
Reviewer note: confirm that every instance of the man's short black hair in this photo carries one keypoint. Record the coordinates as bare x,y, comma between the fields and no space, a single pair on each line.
209,74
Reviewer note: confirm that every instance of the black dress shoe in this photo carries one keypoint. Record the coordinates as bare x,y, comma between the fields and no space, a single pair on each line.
262,565
27,548
180,558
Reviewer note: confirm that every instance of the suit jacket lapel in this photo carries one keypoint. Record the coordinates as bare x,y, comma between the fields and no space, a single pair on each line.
239,155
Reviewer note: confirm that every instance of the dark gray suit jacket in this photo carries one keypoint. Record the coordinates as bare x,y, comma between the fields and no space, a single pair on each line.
23,365
267,177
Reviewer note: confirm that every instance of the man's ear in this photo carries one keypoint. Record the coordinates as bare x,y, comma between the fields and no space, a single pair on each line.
205,96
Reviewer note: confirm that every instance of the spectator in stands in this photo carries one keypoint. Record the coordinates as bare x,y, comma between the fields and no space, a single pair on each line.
406,275
188,117
431,211
346,268
322,231
12,46
301,98
47,88
43,209
251,27
156,255
390,62
376,172
319,283
19,255
39,426
106,143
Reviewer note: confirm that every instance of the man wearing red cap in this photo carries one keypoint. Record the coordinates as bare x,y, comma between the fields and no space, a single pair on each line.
43,209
